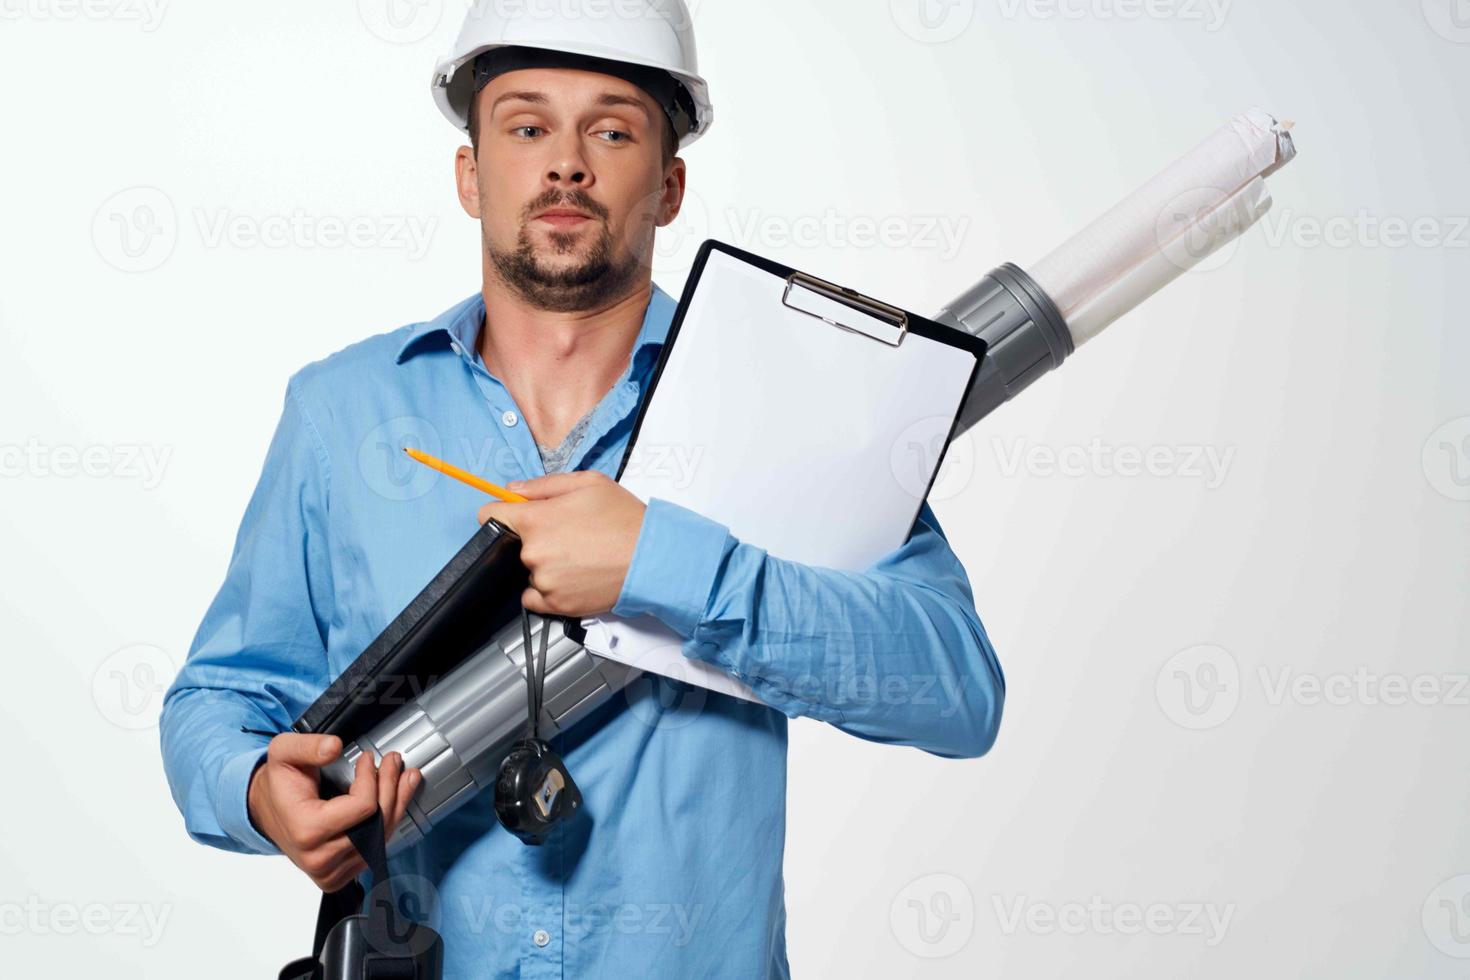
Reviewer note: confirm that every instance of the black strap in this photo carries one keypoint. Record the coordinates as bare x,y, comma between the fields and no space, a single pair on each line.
386,929
535,672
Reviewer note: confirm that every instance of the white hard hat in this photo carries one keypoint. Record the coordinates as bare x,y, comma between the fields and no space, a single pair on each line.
648,33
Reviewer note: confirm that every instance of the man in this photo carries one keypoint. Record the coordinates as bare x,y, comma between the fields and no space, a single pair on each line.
672,868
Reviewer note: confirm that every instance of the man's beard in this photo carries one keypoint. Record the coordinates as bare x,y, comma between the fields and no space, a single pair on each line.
594,282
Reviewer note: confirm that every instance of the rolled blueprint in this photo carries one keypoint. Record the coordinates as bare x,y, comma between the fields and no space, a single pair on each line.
1250,145
1195,240
1032,320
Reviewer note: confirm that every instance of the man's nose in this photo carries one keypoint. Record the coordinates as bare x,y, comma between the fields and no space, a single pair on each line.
568,165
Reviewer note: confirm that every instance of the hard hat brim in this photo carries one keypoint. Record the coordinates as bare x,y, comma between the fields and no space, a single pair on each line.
453,86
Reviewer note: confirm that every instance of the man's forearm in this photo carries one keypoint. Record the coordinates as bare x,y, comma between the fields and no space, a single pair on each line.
210,777
895,653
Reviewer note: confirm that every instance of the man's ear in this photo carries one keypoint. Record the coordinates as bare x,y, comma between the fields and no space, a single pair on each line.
673,194
467,181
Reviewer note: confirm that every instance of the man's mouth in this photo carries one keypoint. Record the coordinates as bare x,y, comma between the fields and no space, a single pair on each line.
563,217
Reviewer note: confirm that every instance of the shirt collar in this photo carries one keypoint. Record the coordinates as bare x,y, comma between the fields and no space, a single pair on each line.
460,324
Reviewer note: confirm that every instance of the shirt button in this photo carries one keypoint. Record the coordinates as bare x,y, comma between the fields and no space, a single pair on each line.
541,938
509,418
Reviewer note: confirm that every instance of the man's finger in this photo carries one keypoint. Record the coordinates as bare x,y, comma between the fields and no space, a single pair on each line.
364,779
345,868
388,776
408,784
517,517
335,855
507,514
351,870
555,484
333,817
311,751
536,602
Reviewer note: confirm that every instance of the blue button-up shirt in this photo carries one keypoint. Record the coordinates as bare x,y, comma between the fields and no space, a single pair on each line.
673,866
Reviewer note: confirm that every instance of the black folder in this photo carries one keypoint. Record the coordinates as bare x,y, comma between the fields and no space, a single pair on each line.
470,599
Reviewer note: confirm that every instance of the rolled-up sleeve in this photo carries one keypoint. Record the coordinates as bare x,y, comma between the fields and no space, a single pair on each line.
894,653
259,655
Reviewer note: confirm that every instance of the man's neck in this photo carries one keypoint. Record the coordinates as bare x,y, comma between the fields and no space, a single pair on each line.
558,366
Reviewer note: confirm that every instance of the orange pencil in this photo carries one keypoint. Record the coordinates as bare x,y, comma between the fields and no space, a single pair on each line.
448,469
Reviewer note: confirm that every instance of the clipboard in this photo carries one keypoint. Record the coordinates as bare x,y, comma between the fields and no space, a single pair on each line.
809,418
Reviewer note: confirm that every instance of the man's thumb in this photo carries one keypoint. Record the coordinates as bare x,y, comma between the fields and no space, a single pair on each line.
292,748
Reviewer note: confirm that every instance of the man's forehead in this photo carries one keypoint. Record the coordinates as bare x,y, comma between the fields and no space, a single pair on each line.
554,86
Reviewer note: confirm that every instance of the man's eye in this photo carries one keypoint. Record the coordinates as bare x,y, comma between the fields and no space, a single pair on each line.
616,132
520,129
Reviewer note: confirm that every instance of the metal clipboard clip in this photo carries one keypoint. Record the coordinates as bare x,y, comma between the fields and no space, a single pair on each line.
827,301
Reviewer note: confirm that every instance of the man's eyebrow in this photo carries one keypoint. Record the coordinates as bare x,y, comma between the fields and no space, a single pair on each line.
539,98
535,97
611,99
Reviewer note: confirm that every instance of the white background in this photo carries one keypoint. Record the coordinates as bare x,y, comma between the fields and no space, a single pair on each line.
1326,360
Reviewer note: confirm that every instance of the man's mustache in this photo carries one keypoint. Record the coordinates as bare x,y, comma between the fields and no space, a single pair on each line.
574,200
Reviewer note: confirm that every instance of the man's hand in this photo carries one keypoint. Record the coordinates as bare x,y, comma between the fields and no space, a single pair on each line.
285,805
578,532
